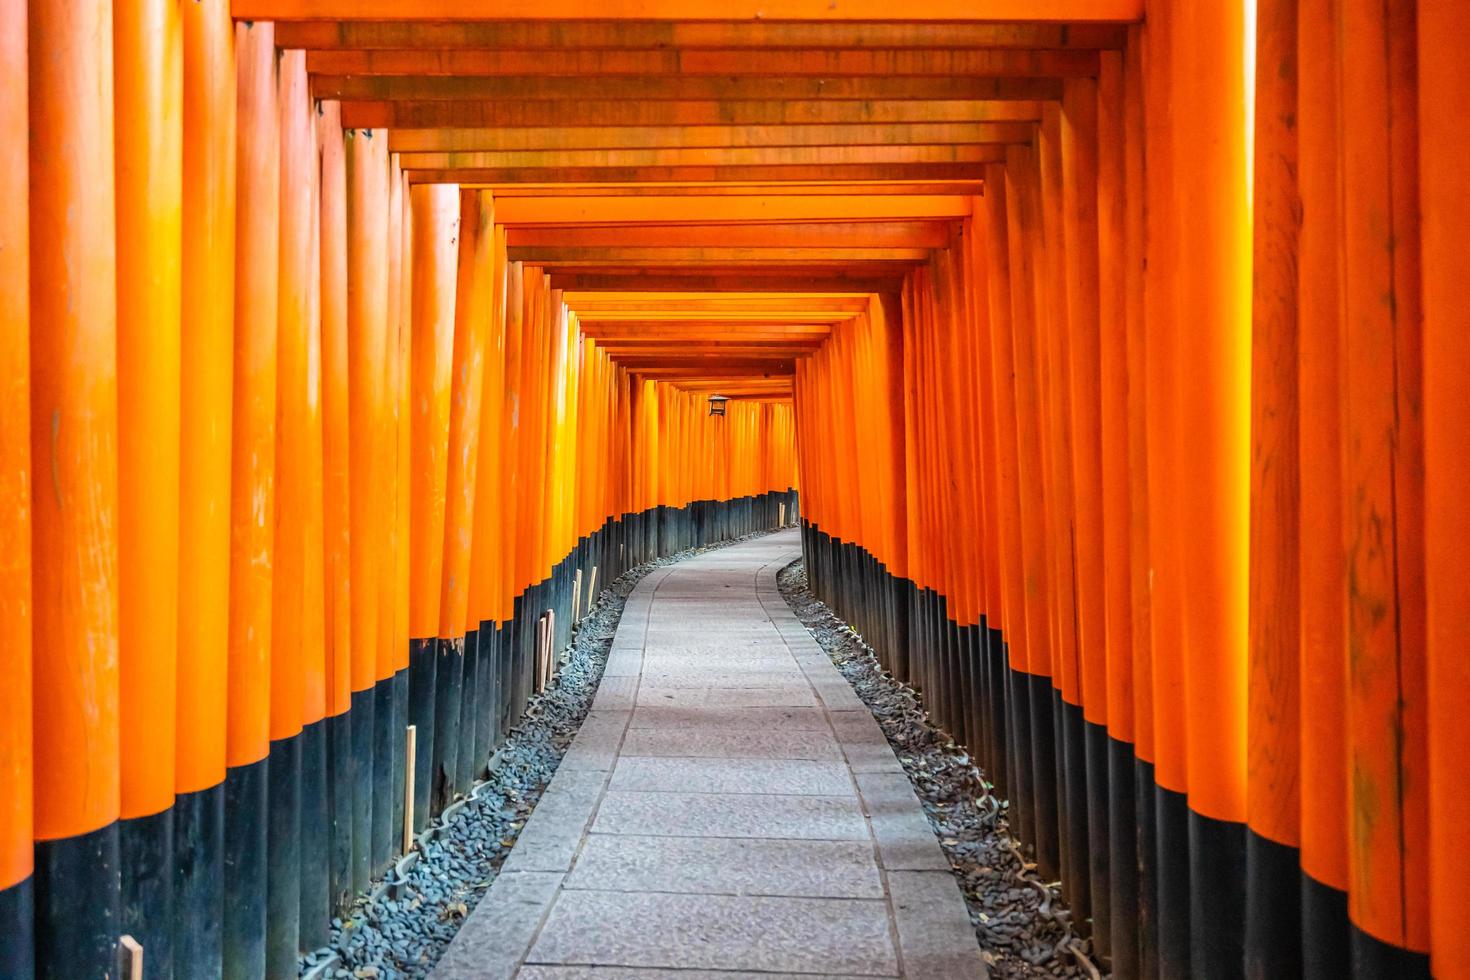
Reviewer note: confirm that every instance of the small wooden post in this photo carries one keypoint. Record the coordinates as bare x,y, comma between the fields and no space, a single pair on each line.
592,589
576,596
410,749
132,958
782,521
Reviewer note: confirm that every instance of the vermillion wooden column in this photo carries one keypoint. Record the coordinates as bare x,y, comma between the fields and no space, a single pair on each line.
434,215
1322,570
73,425
1021,214
1383,491
473,289
1273,934
337,494
1445,205
367,330
17,898
206,389
148,53
252,501
293,500
1211,192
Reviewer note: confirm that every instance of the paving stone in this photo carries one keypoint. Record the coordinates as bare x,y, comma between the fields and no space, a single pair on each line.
935,937
596,746
715,676
906,842
544,972
670,716
551,837
615,694
802,777
494,939
728,866
755,743
711,931
731,815
743,697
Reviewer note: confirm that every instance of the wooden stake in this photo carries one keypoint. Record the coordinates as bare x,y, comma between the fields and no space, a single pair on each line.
410,749
576,596
133,954
592,589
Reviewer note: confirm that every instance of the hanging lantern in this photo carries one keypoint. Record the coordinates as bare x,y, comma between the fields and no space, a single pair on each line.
717,404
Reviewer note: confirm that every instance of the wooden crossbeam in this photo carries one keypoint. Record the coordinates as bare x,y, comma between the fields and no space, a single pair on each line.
506,114
680,88
622,211
623,35
596,256
706,156
1045,11
673,280
724,173
851,234
695,194
762,371
725,62
674,137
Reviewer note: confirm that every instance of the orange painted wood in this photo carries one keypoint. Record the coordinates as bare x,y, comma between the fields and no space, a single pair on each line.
148,148
425,114
337,487
1319,393
253,446
1383,475
207,282
16,829
680,89
367,341
759,34
1274,731
473,292
1445,204
1085,11
435,218
73,419
289,641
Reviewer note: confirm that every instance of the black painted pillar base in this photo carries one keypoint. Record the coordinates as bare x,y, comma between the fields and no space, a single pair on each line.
283,858
341,798
246,800
360,749
199,883
146,850
1171,856
1123,881
17,922
316,905
381,851
423,671
1273,919
73,874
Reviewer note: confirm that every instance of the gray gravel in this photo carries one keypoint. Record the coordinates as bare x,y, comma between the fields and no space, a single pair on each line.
401,927
1023,925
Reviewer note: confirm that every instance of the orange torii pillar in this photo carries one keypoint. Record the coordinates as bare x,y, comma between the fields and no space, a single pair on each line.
336,499
434,216
1382,376
206,387
1273,903
148,52
1444,102
473,289
252,502
73,426
367,340
290,645
17,958
1322,567
1212,462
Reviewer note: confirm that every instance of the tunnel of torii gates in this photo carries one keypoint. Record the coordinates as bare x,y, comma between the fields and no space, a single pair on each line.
1118,350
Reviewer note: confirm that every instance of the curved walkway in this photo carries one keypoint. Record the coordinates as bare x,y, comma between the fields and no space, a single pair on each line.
729,808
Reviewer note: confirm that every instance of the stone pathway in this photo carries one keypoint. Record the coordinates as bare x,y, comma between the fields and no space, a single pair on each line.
728,809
